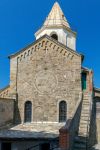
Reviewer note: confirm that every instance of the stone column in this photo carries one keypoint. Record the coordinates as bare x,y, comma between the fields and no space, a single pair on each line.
64,139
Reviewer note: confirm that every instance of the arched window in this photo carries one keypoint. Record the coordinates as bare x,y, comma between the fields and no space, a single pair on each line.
28,111
62,111
54,36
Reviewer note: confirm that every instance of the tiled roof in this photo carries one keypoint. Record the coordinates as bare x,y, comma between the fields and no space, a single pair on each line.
56,17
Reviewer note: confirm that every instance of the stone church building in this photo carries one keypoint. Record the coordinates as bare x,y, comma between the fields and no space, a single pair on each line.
51,102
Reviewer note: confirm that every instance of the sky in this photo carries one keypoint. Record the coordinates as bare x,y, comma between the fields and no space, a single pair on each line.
20,19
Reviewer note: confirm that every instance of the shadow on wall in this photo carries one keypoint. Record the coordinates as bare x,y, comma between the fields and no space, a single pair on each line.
97,113
93,127
17,117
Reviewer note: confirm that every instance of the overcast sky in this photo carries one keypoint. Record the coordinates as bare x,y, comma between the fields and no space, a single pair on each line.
20,19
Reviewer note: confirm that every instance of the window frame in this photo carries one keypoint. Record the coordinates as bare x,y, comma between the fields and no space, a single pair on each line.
28,112
62,111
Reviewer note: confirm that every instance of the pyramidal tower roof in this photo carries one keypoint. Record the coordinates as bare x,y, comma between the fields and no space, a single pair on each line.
56,17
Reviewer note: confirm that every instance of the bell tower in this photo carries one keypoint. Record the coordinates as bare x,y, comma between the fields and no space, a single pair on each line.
57,27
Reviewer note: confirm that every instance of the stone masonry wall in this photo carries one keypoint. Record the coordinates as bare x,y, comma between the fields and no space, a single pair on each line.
47,73
6,111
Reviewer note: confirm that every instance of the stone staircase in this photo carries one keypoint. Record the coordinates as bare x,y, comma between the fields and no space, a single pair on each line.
95,147
81,140
80,143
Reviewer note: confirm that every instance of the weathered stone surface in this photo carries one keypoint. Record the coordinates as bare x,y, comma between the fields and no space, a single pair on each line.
32,130
45,73
6,111
45,76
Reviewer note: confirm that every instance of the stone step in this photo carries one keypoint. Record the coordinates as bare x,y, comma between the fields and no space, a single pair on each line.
84,115
80,142
82,130
80,139
86,97
86,103
83,121
85,108
86,94
80,145
79,148
85,135
86,118
83,126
